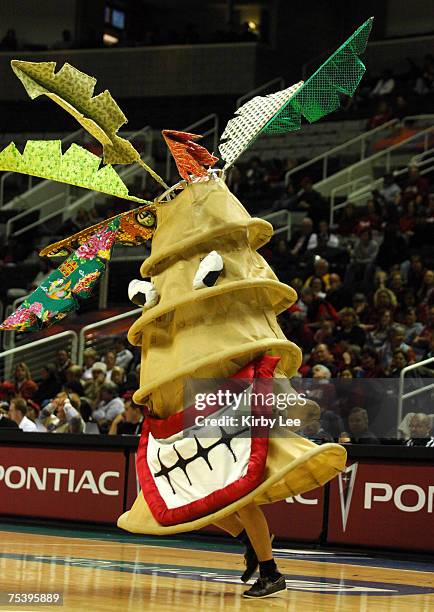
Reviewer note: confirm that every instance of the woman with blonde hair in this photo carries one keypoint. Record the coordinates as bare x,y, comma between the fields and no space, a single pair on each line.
21,384
385,298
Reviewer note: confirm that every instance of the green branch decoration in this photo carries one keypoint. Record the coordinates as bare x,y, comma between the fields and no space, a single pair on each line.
43,158
281,112
99,115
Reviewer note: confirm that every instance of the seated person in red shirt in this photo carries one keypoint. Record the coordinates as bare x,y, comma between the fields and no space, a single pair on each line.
21,384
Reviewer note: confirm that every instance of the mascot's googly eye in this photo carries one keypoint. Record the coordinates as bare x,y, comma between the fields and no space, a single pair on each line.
209,270
142,293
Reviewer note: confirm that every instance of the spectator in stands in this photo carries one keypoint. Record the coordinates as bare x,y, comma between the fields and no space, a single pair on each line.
21,383
320,355
315,309
68,414
300,240
92,388
294,327
382,114
5,421
132,380
323,239
318,287
62,414
110,361
124,356
73,380
390,191
420,427
362,260
118,377
425,294
129,422
407,220
90,356
289,165
396,285
384,299
63,362
358,427
288,199
109,407
424,339
393,249
371,217
385,84
414,272
315,432
349,330
380,333
18,413
326,334
425,82
369,364
348,221
362,309
415,187
49,386
256,177
321,270
337,295
311,201
413,327
395,342
398,363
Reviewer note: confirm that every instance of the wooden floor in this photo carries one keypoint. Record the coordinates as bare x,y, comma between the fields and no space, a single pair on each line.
107,572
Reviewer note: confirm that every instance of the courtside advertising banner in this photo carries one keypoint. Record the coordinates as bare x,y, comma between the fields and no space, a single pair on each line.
55,483
383,505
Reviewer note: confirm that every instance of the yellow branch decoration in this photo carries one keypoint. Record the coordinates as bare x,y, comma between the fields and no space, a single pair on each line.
73,90
43,158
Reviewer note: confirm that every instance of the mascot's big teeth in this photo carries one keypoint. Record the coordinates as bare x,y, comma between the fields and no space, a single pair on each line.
142,293
209,270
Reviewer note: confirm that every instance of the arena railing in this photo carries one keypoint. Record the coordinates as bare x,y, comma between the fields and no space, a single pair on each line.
405,396
278,81
424,161
359,145
73,197
365,166
212,132
88,338
38,353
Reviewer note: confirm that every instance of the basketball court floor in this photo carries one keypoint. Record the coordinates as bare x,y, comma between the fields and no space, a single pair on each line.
96,571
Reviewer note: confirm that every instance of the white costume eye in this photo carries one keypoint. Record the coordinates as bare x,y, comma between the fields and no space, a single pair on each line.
209,270
142,293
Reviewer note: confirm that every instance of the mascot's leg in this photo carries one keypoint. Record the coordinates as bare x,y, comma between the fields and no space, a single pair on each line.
231,524
234,526
249,526
270,580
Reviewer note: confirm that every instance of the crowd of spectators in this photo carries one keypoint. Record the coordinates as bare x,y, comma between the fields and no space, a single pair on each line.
69,398
365,306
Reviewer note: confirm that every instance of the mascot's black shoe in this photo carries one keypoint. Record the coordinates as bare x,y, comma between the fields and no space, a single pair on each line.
251,561
265,587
